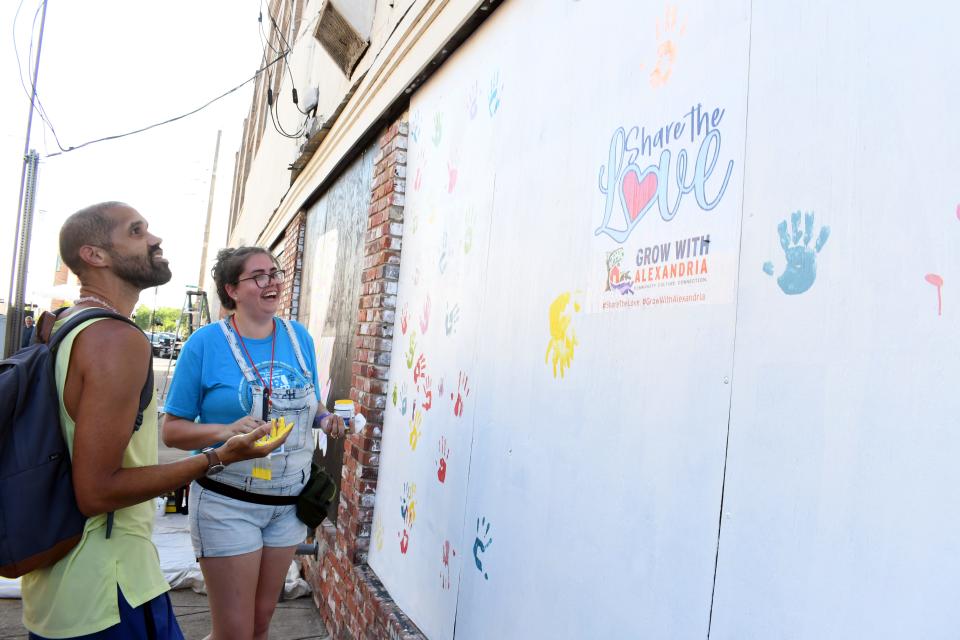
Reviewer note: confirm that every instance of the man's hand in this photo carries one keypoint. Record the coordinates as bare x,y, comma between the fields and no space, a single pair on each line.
242,426
333,426
244,447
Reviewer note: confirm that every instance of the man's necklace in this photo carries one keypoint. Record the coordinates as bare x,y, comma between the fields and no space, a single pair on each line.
99,301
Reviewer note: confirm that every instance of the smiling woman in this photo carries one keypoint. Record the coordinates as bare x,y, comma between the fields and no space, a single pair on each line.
232,376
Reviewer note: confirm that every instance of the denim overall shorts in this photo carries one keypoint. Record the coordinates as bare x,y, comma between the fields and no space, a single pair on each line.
225,526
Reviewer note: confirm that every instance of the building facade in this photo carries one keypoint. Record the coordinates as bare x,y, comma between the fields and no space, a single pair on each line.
604,278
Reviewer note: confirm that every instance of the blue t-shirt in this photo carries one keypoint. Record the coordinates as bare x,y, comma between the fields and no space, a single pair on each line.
208,383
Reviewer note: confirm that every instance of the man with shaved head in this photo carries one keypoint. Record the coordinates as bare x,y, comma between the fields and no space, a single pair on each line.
112,587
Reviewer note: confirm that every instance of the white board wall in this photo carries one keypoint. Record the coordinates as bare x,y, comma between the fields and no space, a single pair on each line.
842,467
593,441
597,476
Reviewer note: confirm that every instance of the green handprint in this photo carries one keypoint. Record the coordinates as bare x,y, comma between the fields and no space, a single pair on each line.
412,349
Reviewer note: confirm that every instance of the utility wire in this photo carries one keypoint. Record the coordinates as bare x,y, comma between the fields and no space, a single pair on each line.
174,119
268,41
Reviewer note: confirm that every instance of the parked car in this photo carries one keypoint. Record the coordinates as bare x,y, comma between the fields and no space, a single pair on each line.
161,343
175,344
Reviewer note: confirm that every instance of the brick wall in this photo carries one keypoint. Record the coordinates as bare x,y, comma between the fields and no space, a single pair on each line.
292,264
353,602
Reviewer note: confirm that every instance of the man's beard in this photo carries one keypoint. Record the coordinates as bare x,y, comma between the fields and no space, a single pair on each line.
141,271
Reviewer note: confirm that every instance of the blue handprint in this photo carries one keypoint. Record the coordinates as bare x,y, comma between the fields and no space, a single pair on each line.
493,98
800,271
479,546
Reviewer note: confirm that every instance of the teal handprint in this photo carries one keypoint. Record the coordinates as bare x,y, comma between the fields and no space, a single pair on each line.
482,544
800,271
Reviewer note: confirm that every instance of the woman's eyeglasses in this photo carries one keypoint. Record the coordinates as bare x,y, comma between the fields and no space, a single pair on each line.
262,280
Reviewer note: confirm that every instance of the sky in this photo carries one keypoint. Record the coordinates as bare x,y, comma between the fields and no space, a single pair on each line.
108,67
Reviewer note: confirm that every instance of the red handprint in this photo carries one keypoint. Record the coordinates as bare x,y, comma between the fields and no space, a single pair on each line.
427,394
403,321
404,542
420,370
442,463
462,392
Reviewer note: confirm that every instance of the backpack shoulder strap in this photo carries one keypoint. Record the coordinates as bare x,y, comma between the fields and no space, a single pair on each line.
146,393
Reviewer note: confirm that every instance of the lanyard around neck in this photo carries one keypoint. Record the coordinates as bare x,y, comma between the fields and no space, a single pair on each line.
268,390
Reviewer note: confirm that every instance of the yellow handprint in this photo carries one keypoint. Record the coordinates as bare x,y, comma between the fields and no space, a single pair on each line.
562,338
415,421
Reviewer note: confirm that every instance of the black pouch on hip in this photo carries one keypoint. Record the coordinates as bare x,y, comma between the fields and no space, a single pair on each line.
316,497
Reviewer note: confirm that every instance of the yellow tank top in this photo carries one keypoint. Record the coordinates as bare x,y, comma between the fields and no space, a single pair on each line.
78,595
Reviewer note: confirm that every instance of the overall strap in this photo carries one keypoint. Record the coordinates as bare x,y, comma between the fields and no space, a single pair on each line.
237,355
296,348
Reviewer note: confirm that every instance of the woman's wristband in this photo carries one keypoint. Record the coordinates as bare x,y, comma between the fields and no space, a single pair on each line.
319,418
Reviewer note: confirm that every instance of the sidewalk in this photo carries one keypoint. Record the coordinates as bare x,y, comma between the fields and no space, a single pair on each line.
293,619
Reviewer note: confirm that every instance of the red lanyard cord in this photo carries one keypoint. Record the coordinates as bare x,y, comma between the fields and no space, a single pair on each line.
273,350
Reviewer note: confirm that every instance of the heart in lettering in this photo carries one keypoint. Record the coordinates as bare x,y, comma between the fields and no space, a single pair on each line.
637,193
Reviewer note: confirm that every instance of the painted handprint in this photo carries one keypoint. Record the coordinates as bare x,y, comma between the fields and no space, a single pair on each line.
403,320
408,504
445,571
472,94
425,316
442,461
404,542
800,271
411,350
437,129
463,390
452,163
450,320
481,544
403,399
420,370
427,394
443,254
563,340
416,419
496,91
421,169
395,394
415,126
666,49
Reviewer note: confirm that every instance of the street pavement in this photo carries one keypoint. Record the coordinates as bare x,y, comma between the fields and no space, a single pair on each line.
294,619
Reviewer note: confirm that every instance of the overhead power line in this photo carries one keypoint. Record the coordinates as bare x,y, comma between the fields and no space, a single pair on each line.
169,120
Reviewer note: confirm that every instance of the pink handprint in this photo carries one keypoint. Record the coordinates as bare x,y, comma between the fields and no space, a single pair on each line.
403,321
404,542
451,178
425,317
445,571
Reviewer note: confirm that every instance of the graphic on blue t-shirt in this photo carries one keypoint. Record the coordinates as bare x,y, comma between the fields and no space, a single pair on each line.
284,377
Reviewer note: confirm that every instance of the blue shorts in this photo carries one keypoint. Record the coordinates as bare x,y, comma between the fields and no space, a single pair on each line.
153,620
222,526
